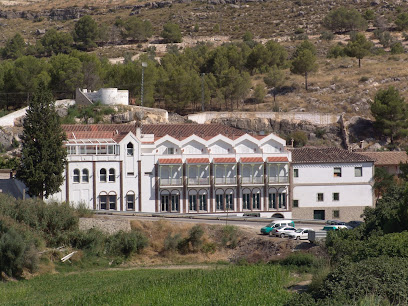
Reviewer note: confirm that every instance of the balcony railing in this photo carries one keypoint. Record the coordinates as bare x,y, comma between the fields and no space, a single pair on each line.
225,180
198,181
171,182
252,179
278,179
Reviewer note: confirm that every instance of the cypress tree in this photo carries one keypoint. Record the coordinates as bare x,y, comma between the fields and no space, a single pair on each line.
43,156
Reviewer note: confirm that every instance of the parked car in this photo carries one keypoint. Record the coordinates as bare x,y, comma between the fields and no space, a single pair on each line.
274,224
334,227
335,222
282,231
300,233
354,224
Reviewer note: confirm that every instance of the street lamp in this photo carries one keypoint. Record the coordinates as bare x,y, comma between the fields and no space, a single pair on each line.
144,64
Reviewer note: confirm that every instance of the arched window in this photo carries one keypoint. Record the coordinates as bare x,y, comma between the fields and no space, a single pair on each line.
129,148
130,200
85,176
111,175
112,201
102,175
76,176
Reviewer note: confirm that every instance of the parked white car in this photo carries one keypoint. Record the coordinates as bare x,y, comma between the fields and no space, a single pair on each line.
300,233
282,231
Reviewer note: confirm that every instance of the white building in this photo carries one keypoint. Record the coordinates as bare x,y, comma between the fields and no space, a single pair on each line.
183,168
106,96
208,168
331,183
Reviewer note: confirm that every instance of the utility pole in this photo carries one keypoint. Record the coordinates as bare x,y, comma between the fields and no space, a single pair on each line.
202,91
144,64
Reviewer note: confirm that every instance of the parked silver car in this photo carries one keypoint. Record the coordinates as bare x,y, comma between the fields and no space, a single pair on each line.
282,231
300,233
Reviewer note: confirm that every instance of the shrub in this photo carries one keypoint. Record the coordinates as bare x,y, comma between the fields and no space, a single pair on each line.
83,211
193,242
304,261
229,236
326,35
299,138
171,242
364,79
127,243
397,48
336,51
342,19
16,252
92,241
383,277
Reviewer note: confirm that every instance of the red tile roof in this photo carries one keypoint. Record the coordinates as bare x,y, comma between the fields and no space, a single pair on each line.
326,155
224,160
387,158
178,131
252,160
182,131
170,161
277,159
197,161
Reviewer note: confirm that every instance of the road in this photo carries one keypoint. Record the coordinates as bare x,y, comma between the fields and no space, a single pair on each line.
256,225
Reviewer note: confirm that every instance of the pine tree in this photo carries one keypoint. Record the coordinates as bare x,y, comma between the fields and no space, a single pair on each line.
43,156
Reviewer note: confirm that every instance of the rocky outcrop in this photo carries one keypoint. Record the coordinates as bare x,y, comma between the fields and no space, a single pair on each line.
54,14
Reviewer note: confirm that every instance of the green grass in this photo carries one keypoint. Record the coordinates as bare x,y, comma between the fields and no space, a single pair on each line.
233,285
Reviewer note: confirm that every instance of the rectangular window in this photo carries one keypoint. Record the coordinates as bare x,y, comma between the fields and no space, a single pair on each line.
192,200
245,201
130,174
175,200
295,172
256,197
358,171
272,200
337,172
219,201
336,196
282,200
203,202
320,197
170,151
165,202
112,202
295,203
336,213
229,201
102,201
130,201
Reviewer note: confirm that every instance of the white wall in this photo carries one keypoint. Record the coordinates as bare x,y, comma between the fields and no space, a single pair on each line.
314,118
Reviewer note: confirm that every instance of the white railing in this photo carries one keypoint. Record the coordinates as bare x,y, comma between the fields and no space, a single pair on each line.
278,179
225,180
252,180
170,182
198,181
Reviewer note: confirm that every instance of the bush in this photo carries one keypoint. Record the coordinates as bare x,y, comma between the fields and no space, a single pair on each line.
127,243
336,51
229,236
304,261
342,20
92,241
171,242
326,35
397,48
364,79
193,242
17,251
299,138
383,277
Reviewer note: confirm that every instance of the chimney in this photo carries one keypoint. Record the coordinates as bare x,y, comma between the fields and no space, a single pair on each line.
291,142
362,144
138,132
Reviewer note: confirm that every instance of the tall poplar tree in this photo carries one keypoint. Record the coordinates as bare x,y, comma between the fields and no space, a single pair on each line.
43,156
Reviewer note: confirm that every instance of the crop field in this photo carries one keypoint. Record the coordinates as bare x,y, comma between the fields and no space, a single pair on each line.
227,285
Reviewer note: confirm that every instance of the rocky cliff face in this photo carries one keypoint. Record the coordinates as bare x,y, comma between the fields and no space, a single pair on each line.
316,134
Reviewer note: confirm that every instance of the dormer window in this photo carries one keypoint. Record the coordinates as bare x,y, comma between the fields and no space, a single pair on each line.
170,151
129,149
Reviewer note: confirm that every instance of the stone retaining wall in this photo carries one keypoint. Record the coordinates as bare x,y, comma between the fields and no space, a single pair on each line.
106,225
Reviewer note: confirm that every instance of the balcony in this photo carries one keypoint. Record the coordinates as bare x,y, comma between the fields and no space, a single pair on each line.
278,179
225,181
252,180
171,182
198,181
